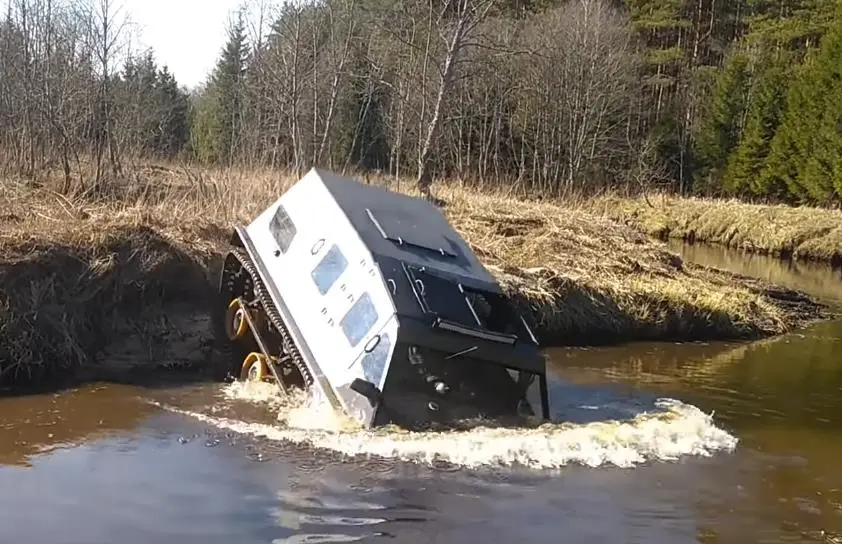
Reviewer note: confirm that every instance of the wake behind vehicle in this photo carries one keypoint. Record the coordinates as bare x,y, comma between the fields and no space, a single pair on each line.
373,299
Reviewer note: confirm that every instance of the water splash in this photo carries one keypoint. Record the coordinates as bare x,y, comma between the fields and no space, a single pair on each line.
299,409
263,393
673,430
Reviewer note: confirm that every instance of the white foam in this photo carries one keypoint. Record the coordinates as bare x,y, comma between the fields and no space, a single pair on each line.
254,392
299,409
675,430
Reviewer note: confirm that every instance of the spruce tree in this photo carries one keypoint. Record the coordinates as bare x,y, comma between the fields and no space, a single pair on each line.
803,152
721,122
821,168
790,145
766,104
203,126
173,128
218,117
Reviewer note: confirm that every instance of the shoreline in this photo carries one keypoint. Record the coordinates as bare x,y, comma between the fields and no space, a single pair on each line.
803,234
103,287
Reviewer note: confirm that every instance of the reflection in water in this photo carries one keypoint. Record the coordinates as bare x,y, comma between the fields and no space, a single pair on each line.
815,279
782,397
308,507
173,481
202,483
152,486
37,423
795,378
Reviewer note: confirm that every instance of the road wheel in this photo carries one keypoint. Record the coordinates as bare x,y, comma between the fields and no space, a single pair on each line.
255,368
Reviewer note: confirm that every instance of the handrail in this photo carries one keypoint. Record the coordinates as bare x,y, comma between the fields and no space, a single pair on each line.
448,325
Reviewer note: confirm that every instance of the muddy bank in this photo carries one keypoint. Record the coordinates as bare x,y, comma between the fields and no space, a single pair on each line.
124,294
802,233
102,289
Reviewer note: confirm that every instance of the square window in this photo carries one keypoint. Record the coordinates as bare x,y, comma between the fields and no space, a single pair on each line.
332,265
359,320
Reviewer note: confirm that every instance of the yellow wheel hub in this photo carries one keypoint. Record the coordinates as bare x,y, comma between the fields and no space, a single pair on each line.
255,368
236,324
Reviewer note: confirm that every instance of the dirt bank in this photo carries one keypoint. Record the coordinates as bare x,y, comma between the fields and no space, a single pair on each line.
804,233
95,289
110,286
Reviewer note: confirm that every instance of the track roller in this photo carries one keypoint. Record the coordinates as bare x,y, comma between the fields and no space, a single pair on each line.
255,368
256,341
236,324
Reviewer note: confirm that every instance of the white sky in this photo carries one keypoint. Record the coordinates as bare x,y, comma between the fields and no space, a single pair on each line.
187,35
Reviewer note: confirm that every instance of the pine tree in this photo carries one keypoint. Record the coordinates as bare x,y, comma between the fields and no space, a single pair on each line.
721,122
788,24
804,150
766,104
218,116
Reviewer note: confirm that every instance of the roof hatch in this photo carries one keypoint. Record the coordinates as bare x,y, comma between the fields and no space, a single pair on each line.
404,231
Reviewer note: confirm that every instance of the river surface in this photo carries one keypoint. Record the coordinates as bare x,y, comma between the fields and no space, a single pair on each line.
661,443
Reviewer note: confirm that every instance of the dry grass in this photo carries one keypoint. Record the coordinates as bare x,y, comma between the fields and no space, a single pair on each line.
72,269
67,291
804,233
586,278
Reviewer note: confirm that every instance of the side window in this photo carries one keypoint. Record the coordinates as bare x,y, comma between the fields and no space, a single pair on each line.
282,228
374,363
359,319
332,265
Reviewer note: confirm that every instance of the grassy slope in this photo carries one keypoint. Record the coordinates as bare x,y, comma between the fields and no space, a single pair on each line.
803,233
76,272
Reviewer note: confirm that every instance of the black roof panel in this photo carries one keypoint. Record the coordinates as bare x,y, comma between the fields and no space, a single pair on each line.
409,229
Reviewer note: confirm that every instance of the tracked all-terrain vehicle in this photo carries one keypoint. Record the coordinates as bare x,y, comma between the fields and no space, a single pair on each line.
372,298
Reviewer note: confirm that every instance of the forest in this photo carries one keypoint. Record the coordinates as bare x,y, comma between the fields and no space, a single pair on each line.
734,98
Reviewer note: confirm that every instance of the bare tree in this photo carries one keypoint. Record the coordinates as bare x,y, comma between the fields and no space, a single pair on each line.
107,30
339,59
457,87
468,14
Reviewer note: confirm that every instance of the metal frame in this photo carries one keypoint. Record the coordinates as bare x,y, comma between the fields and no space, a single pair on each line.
261,344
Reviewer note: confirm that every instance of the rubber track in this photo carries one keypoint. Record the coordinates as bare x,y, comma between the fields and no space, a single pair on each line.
274,315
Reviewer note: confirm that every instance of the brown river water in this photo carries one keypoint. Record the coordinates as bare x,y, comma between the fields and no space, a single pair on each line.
655,443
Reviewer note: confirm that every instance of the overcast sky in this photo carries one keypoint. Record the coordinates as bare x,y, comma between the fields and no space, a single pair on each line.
187,35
